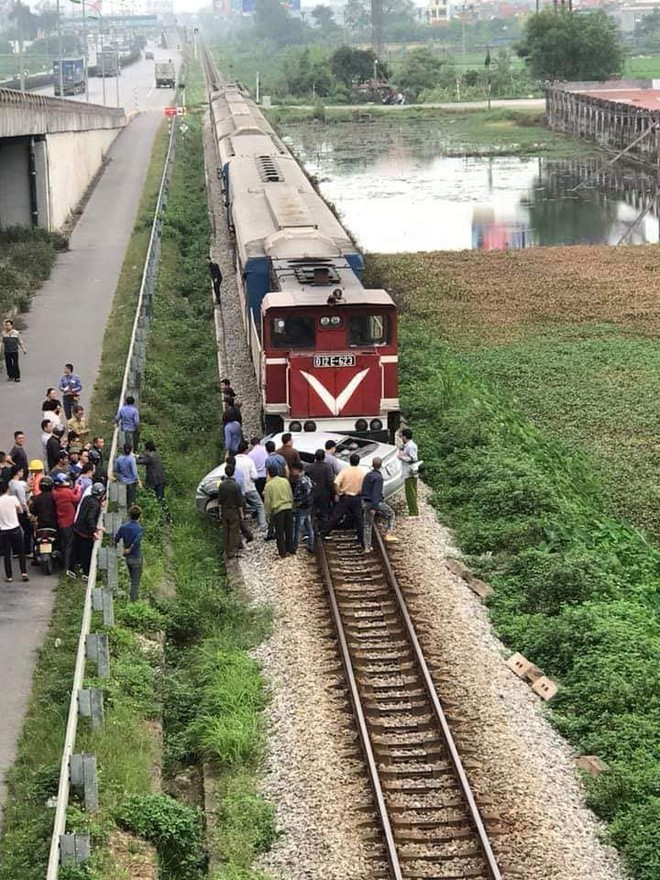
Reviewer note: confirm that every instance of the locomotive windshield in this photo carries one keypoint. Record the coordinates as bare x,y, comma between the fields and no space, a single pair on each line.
295,332
368,329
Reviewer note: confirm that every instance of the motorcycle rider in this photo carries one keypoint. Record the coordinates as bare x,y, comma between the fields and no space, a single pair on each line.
43,511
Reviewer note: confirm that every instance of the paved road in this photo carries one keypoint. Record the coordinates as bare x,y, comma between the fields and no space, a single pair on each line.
134,89
66,323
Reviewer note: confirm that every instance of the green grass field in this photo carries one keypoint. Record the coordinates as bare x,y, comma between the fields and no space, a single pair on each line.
530,379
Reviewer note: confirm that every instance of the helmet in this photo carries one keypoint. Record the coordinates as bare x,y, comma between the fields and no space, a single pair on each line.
58,431
98,490
94,456
36,465
46,484
60,479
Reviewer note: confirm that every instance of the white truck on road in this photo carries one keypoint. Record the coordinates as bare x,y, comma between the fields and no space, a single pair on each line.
165,74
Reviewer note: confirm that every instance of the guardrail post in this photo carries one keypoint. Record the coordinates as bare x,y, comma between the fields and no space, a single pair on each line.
98,649
102,601
75,848
82,772
108,563
90,705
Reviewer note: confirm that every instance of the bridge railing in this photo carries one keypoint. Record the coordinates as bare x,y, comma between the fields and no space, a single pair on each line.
30,101
79,770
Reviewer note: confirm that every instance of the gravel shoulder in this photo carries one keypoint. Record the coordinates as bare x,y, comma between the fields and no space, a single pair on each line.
522,771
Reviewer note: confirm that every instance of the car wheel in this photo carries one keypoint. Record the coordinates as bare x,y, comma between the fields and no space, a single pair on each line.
213,509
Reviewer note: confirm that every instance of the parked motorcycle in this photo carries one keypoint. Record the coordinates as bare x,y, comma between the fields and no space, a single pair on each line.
44,548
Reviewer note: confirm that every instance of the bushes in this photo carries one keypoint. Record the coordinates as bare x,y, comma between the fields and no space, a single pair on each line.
175,829
26,261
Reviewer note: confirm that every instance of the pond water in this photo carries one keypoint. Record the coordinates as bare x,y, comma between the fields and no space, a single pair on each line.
399,196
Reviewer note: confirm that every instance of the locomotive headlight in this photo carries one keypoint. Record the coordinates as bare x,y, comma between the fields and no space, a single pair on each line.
295,427
325,321
361,425
335,320
376,425
309,426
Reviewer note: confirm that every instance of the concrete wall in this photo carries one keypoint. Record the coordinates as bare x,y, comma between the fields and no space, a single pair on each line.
73,160
15,208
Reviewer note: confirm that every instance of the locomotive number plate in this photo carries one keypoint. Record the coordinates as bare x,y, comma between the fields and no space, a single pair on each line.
334,360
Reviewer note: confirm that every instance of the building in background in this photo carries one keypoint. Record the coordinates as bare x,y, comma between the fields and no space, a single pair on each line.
438,11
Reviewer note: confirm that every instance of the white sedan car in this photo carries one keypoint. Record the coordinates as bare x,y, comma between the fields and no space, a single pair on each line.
306,445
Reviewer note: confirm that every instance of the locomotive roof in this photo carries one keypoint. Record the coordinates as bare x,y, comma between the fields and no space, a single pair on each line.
309,297
248,142
277,212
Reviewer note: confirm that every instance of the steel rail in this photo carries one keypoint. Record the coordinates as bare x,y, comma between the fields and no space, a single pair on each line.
59,822
459,770
372,766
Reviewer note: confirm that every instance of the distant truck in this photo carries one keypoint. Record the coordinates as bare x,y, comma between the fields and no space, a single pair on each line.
108,62
73,76
165,74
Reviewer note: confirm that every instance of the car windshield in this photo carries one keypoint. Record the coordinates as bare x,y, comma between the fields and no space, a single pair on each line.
353,444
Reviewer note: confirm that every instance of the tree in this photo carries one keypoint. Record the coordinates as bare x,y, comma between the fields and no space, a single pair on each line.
352,67
421,70
324,18
305,74
564,46
400,18
273,22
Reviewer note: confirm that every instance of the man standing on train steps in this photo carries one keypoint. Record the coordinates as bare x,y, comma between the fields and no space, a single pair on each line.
216,278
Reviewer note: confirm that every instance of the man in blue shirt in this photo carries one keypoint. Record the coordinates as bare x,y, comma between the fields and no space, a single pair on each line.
130,533
71,389
126,472
274,458
373,502
128,419
233,435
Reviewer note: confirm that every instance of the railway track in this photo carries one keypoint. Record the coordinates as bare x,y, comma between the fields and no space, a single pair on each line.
429,818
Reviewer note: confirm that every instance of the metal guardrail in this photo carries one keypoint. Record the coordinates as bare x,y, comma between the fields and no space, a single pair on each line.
81,769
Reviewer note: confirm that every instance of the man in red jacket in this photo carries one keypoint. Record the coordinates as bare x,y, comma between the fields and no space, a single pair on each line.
66,502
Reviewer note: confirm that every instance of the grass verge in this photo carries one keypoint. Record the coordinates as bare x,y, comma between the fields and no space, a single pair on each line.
213,695
27,257
126,748
576,587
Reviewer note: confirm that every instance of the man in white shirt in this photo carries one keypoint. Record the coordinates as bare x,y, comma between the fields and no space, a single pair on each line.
46,434
247,467
408,455
11,534
258,455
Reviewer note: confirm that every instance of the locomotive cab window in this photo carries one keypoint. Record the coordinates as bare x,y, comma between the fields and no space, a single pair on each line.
368,329
293,332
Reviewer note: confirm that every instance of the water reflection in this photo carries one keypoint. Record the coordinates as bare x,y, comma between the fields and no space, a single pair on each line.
400,198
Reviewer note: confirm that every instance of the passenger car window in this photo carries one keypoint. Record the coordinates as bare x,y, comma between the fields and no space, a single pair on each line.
368,329
292,332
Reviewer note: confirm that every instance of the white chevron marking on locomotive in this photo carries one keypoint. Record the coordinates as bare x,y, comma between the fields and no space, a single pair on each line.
335,404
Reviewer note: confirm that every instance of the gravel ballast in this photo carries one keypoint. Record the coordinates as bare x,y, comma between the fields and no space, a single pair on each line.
522,771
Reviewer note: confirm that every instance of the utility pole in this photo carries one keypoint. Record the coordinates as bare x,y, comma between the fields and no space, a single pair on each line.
59,50
377,26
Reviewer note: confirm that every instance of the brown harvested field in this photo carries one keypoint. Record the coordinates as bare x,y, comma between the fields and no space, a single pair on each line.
506,290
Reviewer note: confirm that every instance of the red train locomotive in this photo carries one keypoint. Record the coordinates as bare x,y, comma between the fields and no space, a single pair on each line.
324,348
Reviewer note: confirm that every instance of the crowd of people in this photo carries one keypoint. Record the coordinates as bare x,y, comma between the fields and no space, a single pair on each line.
285,497
63,491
